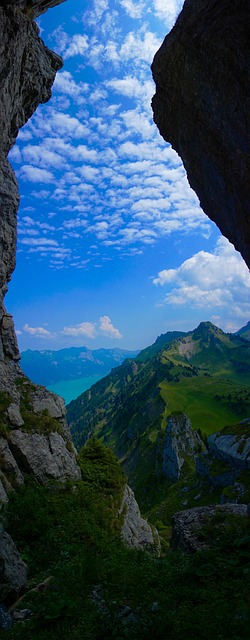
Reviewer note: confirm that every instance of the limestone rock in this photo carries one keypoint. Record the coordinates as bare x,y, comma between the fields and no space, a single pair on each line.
44,456
13,571
233,447
202,107
10,471
180,443
32,8
187,525
136,532
14,415
3,495
9,341
227,456
44,400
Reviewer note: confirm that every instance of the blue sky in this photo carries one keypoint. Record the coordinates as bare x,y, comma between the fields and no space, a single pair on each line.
113,247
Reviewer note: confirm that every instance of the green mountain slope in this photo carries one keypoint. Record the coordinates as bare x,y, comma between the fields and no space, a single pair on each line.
205,373
244,332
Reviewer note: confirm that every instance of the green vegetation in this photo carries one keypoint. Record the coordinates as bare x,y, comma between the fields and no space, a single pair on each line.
5,401
40,423
95,589
205,374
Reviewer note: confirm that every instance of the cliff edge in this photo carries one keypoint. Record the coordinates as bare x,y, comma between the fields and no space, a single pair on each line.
202,106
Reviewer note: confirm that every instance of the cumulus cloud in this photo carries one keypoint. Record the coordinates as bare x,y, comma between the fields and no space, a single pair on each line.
167,10
37,332
35,174
87,329
65,83
108,328
209,280
77,46
133,9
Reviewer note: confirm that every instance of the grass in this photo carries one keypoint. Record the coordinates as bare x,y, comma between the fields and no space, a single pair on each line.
197,399
99,590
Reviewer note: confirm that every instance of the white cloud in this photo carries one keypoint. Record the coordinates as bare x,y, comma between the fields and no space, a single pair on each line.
209,280
35,174
39,155
133,9
83,329
39,241
77,46
37,332
139,46
65,83
108,329
167,10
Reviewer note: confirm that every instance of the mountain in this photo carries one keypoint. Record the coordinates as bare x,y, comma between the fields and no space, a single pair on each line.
244,332
204,373
48,367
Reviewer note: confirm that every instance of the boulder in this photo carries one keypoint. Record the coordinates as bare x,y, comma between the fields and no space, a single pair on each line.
187,525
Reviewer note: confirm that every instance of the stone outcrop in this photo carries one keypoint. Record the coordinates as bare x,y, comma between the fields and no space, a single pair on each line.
44,456
181,443
201,106
232,444
13,571
227,456
136,532
187,525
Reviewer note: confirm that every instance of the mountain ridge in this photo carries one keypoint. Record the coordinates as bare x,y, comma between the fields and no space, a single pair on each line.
204,373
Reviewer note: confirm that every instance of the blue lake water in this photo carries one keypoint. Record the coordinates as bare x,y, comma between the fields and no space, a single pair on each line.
71,389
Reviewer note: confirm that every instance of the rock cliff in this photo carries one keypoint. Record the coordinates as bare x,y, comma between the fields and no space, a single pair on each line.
226,463
136,532
201,106
181,443
34,434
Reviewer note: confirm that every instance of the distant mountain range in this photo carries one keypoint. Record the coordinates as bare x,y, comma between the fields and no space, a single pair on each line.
49,367
204,373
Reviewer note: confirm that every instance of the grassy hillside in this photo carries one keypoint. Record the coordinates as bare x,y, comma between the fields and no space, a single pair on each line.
205,373
95,589
244,332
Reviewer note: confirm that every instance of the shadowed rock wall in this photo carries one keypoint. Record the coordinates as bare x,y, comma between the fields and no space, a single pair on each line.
202,107
36,438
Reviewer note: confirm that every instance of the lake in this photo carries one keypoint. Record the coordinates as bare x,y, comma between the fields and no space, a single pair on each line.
71,389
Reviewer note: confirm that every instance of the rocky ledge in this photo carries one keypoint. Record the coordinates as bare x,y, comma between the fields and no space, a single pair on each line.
202,107
187,525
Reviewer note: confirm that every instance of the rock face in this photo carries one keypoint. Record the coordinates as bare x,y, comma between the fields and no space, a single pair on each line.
187,525
180,443
233,445
202,107
36,438
13,571
136,532
227,456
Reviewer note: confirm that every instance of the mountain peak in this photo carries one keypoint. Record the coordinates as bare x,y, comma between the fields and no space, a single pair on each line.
206,329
